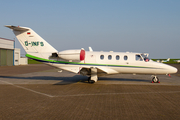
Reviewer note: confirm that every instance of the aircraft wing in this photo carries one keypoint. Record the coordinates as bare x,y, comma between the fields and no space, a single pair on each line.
107,70
100,70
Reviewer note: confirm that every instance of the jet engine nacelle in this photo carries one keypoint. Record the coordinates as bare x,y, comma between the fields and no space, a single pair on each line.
78,54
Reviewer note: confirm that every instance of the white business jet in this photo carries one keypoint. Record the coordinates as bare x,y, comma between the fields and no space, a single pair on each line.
90,63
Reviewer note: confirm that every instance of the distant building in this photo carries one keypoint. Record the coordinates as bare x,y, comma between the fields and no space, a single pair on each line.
18,60
10,56
6,52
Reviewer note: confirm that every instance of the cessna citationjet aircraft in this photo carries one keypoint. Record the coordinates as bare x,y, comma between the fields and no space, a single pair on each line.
90,63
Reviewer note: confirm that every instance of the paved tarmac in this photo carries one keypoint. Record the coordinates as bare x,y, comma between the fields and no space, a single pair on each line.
40,92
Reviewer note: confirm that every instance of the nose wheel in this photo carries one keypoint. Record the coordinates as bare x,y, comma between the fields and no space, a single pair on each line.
155,79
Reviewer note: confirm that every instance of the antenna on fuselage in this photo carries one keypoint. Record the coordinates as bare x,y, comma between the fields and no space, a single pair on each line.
90,49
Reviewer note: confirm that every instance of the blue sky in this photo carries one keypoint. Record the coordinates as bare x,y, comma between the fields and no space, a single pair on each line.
150,26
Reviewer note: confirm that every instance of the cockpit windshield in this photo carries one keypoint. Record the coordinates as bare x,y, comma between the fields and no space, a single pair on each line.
146,59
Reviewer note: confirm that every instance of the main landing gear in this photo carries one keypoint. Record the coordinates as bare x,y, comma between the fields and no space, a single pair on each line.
91,81
93,78
155,79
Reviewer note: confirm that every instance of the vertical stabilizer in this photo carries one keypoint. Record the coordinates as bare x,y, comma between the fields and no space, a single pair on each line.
32,43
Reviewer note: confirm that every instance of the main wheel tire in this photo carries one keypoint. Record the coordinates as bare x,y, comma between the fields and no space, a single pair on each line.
89,78
91,81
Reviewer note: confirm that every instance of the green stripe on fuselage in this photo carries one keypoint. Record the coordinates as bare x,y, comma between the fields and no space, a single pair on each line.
78,63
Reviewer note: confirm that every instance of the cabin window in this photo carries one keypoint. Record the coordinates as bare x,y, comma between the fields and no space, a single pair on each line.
125,57
117,57
102,57
109,57
139,58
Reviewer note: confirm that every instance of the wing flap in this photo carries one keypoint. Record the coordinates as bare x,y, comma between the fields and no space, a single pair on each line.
71,69
101,70
107,70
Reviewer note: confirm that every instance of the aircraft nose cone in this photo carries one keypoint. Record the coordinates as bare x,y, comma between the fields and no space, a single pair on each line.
173,70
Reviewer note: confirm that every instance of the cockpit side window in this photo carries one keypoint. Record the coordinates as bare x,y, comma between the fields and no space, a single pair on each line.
146,59
139,58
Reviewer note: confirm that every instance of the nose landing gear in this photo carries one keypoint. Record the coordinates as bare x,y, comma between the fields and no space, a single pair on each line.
155,79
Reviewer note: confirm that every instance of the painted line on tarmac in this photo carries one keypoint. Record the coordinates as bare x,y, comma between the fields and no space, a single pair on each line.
28,89
99,94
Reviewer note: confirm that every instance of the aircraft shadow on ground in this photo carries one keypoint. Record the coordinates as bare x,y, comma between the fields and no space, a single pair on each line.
63,80
73,79
122,79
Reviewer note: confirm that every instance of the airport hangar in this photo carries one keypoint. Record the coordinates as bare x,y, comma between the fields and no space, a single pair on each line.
9,55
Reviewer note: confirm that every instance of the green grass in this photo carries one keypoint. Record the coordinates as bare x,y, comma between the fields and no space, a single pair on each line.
171,61
30,61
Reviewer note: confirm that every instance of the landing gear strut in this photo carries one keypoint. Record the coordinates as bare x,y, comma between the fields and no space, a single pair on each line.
93,77
155,79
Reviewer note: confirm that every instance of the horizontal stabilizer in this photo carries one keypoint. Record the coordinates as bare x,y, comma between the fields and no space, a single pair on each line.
17,28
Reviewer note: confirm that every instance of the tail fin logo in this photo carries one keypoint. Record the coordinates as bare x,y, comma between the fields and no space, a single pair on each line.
34,43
